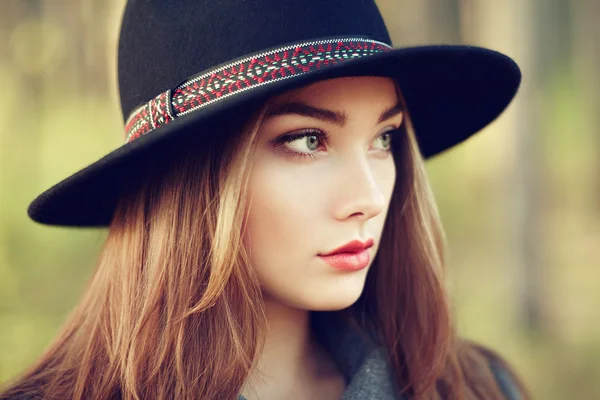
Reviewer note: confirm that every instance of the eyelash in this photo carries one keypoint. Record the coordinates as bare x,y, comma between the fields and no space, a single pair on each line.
322,137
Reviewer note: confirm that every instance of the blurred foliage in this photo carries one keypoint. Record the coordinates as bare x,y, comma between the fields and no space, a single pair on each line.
519,201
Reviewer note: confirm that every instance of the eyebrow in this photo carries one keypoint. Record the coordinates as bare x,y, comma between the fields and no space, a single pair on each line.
323,114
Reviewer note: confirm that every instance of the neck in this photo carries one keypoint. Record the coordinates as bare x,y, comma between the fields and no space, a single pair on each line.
290,361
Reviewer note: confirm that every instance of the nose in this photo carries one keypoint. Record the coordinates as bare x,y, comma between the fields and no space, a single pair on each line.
359,195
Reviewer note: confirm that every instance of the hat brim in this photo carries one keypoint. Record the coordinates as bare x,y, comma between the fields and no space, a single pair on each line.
451,93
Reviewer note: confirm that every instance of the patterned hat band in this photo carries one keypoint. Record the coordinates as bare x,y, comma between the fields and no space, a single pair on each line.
250,72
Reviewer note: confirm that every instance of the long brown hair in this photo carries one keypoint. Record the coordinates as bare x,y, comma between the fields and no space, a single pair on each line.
175,311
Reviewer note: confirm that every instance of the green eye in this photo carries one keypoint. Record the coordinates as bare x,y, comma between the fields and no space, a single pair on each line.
386,140
303,144
312,142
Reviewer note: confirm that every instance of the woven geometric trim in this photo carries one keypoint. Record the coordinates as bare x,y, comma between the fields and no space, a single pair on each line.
250,72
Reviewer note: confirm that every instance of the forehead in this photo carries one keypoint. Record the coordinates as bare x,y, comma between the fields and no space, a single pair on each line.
380,90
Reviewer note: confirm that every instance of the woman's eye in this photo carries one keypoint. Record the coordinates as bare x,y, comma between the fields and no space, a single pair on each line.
385,139
303,144
308,142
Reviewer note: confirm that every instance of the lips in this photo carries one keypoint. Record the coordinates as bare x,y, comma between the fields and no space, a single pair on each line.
351,256
354,246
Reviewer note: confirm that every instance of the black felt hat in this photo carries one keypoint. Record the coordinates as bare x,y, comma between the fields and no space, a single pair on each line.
185,63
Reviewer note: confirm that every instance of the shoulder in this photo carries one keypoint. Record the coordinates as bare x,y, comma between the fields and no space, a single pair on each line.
507,379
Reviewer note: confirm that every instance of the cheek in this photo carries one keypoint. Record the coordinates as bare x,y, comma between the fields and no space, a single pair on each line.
282,217
385,175
389,181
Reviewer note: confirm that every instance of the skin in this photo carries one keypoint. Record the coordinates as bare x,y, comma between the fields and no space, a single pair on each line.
305,206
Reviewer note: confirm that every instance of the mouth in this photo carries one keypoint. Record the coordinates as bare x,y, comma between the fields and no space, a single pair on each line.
352,256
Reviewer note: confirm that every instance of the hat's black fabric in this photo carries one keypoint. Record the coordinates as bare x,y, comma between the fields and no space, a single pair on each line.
451,91
163,42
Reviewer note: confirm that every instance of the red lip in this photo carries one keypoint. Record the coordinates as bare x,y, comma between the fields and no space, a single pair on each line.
354,246
352,256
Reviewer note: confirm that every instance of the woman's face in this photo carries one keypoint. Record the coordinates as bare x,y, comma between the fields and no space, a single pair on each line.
314,193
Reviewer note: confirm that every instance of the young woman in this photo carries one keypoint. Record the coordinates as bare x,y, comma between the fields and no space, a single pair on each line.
272,233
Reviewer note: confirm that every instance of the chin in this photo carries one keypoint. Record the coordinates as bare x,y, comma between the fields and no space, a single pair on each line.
334,300
333,292
332,307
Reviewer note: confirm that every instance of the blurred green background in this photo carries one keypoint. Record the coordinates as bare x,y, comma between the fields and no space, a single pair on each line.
520,201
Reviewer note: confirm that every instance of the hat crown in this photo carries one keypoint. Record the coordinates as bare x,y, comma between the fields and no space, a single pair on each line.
163,42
